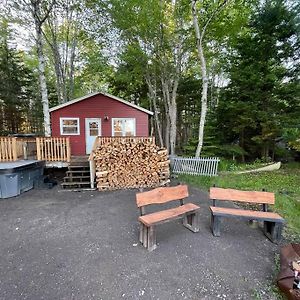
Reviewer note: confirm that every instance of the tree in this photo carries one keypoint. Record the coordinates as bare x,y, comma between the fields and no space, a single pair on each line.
229,17
39,15
17,97
61,31
161,37
262,92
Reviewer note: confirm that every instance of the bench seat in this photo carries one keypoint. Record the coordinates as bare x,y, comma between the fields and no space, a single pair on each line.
273,222
168,214
188,212
247,214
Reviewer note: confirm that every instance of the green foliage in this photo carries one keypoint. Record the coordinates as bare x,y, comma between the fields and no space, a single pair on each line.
254,107
17,90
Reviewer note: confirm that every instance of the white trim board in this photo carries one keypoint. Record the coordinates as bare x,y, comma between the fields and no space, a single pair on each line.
104,94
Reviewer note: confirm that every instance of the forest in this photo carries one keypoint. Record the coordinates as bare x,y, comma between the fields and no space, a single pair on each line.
221,76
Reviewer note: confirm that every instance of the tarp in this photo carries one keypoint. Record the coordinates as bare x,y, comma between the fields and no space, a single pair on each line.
286,276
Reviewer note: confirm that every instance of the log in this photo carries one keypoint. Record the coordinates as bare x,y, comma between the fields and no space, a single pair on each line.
130,164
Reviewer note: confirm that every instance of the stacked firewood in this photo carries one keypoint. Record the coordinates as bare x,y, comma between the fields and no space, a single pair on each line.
130,164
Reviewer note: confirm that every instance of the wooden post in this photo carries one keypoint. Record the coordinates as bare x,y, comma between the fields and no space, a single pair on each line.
38,149
14,148
151,241
92,172
25,147
191,222
215,225
68,150
141,237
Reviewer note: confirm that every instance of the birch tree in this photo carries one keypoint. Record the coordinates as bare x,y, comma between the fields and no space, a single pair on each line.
61,33
200,34
40,11
161,37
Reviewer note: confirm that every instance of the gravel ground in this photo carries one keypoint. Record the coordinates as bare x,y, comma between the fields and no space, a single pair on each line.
58,244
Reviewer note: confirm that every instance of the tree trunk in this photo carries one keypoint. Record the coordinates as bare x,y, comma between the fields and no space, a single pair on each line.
72,58
173,117
42,77
199,38
242,142
167,127
72,69
152,96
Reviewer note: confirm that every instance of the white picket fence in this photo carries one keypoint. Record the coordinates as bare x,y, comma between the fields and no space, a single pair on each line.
207,166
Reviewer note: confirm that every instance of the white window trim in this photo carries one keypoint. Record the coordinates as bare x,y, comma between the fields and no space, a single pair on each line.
117,119
68,118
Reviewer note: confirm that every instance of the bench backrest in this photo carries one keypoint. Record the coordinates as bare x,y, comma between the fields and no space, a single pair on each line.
241,196
162,195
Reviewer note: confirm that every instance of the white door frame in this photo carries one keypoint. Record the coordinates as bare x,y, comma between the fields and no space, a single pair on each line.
88,145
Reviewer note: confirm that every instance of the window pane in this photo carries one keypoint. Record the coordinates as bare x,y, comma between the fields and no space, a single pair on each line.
93,125
70,129
129,127
93,132
118,127
70,126
69,122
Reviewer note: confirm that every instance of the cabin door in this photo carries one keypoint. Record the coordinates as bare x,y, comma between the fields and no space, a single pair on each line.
92,130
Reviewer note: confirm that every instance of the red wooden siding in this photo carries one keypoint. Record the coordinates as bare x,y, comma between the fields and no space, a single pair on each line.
97,106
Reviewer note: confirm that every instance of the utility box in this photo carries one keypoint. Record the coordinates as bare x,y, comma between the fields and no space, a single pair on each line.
18,177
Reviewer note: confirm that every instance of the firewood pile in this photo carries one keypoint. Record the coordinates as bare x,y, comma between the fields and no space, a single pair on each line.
130,164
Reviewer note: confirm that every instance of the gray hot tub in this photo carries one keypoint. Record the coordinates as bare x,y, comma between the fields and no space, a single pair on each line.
18,177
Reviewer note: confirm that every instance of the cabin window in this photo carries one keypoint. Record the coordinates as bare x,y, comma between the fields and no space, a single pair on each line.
123,127
69,126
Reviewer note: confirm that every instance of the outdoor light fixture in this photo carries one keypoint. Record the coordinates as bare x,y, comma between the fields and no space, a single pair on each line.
106,118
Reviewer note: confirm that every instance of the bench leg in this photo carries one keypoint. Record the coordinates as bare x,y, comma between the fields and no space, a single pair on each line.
145,236
215,225
141,235
272,231
151,239
191,222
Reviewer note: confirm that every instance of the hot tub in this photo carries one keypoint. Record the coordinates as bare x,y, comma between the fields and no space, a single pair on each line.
19,176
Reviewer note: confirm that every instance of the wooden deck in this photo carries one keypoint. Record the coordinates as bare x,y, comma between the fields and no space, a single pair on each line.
55,151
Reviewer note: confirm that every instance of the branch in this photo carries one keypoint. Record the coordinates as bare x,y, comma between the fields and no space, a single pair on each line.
213,14
47,12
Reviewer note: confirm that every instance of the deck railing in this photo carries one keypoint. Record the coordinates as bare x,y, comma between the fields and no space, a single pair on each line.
50,149
206,166
53,149
8,149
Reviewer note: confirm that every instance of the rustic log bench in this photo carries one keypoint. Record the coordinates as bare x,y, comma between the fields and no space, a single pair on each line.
273,222
188,212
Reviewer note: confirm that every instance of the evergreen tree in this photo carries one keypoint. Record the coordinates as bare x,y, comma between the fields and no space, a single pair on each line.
262,89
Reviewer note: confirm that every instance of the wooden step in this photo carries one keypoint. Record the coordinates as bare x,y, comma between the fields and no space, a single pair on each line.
75,184
78,172
78,167
76,178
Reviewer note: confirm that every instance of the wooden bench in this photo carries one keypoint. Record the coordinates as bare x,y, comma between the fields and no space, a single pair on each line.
273,222
188,212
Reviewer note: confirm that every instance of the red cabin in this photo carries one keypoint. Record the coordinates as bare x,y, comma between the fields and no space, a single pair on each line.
97,114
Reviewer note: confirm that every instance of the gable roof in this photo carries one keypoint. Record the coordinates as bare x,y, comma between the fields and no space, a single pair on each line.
104,94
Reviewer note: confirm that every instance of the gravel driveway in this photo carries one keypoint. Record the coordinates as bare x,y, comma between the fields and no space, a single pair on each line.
57,244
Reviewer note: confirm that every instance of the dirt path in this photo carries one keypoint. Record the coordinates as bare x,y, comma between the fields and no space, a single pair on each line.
84,245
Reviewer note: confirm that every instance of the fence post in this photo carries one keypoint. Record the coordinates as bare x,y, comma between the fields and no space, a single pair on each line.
38,149
14,148
68,150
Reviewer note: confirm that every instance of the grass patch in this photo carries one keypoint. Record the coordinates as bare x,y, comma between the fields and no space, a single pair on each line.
285,183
